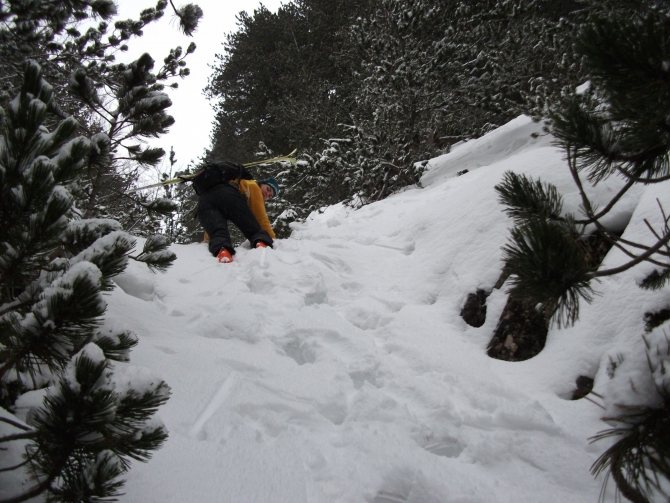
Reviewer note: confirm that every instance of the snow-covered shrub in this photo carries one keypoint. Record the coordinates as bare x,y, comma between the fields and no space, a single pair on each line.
619,126
637,404
54,268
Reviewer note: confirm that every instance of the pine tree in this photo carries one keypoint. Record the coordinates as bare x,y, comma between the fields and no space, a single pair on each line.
126,102
134,107
618,128
397,82
54,267
281,83
278,82
428,75
48,31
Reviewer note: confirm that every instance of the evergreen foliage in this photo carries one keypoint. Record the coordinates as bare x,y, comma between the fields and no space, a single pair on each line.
282,84
54,268
189,15
548,268
601,131
125,101
641,452
388,84
369,91
155,253
616,127
277,82
89,429
656,279
527,200
639,458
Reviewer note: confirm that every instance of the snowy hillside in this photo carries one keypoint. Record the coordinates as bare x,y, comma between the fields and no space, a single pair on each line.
336,367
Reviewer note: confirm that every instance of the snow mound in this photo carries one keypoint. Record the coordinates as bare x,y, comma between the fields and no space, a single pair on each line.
511,139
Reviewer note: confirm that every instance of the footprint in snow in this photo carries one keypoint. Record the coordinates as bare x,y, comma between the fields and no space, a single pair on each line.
305,346
366,319
335,411
299,351
260,283
317,293
360,377
316,297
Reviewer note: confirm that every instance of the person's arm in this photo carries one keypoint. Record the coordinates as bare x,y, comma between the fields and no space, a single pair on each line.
257,206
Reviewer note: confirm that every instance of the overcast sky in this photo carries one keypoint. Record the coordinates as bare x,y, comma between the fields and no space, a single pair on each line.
189,136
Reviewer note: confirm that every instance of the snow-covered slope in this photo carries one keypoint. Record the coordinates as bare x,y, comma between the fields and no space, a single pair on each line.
336,368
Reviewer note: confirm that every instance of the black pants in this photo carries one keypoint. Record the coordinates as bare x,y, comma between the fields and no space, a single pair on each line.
223,203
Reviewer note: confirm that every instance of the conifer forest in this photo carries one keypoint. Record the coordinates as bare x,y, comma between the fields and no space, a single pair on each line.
369,92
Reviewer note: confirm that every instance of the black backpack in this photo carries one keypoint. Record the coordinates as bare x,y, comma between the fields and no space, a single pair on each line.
218,173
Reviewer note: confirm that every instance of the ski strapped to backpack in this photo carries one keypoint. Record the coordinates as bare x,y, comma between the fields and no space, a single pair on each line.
224,171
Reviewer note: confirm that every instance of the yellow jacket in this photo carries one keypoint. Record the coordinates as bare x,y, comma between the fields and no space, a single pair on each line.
251,190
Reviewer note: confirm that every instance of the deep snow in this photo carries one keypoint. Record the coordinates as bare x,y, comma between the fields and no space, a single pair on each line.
336,367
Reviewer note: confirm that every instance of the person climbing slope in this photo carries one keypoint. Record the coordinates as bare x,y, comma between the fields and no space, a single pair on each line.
240,200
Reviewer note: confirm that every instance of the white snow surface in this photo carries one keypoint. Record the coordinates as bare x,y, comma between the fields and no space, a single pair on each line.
336,367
